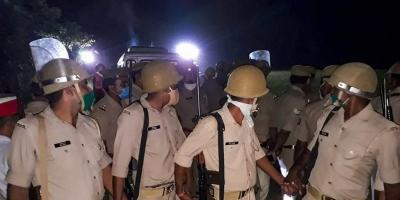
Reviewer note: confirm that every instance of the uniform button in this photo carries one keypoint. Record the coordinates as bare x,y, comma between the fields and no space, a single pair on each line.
83,145
330,164
94,177
342,128
88,161
66,150
330,183
98,193
335,146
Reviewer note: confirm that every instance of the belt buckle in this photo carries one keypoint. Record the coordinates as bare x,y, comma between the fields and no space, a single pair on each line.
168,189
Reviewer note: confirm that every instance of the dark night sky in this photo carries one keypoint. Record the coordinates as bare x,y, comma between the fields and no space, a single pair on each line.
312,32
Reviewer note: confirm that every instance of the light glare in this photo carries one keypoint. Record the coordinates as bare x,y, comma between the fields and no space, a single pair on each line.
187,51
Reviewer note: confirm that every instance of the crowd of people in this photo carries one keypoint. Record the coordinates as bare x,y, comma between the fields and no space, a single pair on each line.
93,137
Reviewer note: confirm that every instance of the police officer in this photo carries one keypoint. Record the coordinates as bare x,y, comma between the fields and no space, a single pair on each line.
213,91
165,134
393,82
107,110
304,131
8,119
242,150
289,107
187,107
353,140
60,149
262,117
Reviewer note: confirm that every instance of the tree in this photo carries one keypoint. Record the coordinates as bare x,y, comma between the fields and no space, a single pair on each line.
26,20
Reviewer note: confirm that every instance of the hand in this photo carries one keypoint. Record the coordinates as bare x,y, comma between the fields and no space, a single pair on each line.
294,181
289,188
184,196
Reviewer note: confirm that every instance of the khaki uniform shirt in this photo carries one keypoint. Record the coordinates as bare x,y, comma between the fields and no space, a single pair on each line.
165,136
395,103
350,151
106,113
76,157
187,107
242,150
214,93
262,119
308,119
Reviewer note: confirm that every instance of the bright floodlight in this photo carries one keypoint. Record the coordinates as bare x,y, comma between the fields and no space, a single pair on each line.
87,56
187,51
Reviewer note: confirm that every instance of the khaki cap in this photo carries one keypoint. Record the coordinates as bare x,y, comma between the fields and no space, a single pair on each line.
247,81
394,69
159,75
328,70
300,70
61,73
356,79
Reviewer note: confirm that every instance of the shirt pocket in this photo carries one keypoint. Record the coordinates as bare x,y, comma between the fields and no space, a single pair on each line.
96,150
350,159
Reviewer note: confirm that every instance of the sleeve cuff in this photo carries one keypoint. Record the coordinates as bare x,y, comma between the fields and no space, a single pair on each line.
105,161
259,154
120,172
183,161
19,179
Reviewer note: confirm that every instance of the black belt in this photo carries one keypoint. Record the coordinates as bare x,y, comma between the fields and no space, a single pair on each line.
241,193
288,146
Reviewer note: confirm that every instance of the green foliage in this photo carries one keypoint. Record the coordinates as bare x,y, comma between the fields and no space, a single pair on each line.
22,22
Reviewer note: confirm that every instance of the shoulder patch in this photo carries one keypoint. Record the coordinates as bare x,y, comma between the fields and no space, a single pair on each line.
126,112
296,111
103,107
21,125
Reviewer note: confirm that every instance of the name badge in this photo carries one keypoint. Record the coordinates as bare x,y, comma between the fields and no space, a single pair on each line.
324,133
232,143
154,128
62,144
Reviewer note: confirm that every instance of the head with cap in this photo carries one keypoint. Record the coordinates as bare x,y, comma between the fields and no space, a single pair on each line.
300,76
393,76
326,73
354,83
8,114
210,73
115,83
159,80
245,85
67,84
261,55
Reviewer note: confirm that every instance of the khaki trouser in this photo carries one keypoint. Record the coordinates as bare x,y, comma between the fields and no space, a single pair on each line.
263,184
314,194
241,195
162,193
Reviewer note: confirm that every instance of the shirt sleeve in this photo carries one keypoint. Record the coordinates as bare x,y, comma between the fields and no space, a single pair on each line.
127,142
302,130
258,151
205,130
101,121
388,157
22,159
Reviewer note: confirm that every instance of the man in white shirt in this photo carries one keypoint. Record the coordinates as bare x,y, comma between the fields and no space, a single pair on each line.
8,118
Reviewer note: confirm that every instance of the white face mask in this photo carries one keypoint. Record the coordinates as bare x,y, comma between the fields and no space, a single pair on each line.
190,86
246,109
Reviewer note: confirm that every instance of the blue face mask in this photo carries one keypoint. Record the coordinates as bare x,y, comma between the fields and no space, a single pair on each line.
124,93
333,98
